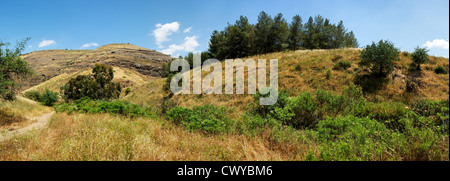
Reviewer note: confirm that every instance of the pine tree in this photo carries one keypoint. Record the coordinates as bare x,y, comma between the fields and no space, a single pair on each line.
280,33
309,37
296,31
262,33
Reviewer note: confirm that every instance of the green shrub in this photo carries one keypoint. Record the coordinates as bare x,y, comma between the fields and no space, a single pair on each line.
33,95
438,111
115,107
328,74
95,86
166,86
265,110
353,138
440,70
380,57
342,65
179,115
207,118
298,67
253,124
420,56
127,91
49,98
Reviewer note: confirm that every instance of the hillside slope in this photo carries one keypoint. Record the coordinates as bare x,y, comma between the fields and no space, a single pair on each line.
305,71
50,63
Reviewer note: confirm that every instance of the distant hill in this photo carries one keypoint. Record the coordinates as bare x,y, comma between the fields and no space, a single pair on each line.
51,63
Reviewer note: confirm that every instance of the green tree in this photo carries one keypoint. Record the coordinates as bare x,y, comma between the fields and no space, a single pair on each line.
103,74
310,35
95,86
49,97
380,57
350,40
12,68
217,46
279,33
296,31
420,56
262,33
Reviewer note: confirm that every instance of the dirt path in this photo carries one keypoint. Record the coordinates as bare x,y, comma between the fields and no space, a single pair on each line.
40,123
26,100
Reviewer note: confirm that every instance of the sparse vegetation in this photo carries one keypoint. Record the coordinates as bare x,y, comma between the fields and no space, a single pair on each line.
8,117
314,119
115,107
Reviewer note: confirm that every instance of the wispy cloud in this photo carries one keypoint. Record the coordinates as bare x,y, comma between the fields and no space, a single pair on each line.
88,45
45,43
187,30
162,32
437,43
190,43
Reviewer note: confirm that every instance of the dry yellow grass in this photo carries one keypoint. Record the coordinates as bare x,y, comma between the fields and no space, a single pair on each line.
27,109
106,137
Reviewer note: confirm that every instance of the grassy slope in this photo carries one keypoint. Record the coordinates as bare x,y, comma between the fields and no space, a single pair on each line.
118,138
128,77
24,109
312,76
50,63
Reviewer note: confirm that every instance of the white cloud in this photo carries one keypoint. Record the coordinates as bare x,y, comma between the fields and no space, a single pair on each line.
437,43
190,43
45,43
162,32
88,45
187,30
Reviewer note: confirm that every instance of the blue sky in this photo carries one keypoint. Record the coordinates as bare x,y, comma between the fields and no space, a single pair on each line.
177,27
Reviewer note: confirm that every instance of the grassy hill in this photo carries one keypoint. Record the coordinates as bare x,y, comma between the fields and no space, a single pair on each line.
50,63
305,71
386,124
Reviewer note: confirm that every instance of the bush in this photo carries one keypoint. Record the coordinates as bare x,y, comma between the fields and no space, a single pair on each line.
440,70
95,86
298,67
208,118
253,124
49,97
127,91
33,95
264,110
328,74
420,56
438,111
353,138
342,65
380,57
116,107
